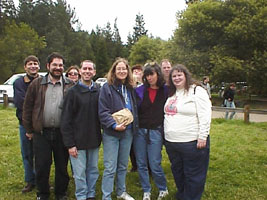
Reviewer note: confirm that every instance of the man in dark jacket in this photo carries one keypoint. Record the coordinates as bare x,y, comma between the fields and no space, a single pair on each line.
81,131
41,119
229,95
31,67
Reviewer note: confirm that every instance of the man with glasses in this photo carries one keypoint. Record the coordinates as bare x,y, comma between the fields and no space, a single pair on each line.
31,67
41,118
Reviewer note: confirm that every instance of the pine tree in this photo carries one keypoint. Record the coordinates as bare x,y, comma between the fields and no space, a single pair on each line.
139,28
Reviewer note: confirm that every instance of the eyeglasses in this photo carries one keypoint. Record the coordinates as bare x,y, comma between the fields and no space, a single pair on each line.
73,74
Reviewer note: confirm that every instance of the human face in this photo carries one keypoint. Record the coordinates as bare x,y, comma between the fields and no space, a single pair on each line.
152,79
121,71
32,68
87,72
73,75
137,72
166,68
56,68
178,79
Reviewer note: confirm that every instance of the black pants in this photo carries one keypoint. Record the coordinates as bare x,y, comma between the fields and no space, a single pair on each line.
46,145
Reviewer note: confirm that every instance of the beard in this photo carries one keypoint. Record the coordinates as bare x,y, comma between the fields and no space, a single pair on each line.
56,74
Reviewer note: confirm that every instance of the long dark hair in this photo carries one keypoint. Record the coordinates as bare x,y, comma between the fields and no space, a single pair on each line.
150,68
188,78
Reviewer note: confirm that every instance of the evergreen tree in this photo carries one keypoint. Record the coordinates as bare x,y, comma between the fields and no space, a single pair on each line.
7,13
139,28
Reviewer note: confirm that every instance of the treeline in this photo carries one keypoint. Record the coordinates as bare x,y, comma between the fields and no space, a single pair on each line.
225,40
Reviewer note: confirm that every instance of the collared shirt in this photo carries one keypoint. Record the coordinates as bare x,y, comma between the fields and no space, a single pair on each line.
86,86
53,100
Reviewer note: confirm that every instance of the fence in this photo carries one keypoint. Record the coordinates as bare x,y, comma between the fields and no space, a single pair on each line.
246,110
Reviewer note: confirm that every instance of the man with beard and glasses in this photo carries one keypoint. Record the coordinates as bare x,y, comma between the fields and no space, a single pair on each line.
41,117
31,67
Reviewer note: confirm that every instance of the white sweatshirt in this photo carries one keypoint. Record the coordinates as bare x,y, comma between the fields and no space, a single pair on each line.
187,115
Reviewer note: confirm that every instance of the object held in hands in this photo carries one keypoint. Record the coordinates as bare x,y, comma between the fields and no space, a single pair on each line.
123,116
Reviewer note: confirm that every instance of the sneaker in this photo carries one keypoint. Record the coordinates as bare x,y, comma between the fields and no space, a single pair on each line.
146,196
125,196
163,194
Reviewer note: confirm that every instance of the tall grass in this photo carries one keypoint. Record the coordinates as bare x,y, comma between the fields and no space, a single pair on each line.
238,163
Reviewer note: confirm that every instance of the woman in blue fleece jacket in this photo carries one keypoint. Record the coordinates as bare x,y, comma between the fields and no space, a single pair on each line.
115,95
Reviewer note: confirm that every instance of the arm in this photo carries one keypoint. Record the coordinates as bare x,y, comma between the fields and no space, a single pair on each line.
67,119
19,94
28,106
203,108
105,109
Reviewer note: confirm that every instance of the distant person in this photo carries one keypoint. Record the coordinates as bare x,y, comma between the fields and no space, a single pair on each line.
137,71
166,67
116,95
229,95
31,67
186,126
81,131
73,73
41,119
205,84
148,141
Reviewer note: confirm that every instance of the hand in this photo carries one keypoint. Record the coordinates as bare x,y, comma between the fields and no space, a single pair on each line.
121,127
29,136
201,143
73,152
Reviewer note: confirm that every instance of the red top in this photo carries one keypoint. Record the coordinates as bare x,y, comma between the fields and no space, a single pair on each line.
152,94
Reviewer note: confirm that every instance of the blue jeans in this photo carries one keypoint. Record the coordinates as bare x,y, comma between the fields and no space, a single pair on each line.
26,148
189,168
151,151
116,155
229,104
85,168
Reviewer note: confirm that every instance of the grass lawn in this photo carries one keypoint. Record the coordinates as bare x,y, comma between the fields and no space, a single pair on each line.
238,163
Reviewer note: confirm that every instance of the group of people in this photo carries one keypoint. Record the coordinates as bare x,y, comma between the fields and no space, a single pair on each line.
63,120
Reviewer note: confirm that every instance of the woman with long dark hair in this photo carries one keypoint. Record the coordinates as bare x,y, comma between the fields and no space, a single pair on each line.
148,141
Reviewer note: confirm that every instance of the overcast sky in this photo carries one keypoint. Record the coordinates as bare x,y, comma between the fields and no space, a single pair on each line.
159,16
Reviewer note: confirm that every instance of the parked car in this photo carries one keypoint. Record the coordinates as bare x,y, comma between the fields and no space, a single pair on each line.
101,81
7,87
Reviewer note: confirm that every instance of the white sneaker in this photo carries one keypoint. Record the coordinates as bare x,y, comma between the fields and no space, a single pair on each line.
163,194
146,196
125,196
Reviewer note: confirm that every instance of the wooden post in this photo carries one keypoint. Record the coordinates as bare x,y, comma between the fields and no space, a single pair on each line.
246,113
5,97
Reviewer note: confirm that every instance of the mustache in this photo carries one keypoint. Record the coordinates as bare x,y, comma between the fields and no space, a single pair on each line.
57,70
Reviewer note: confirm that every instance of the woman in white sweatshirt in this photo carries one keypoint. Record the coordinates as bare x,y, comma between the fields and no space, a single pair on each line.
186,126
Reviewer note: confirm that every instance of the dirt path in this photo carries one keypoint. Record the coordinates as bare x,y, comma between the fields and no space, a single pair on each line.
252,117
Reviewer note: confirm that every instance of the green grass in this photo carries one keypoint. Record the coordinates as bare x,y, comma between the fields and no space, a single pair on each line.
238,163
